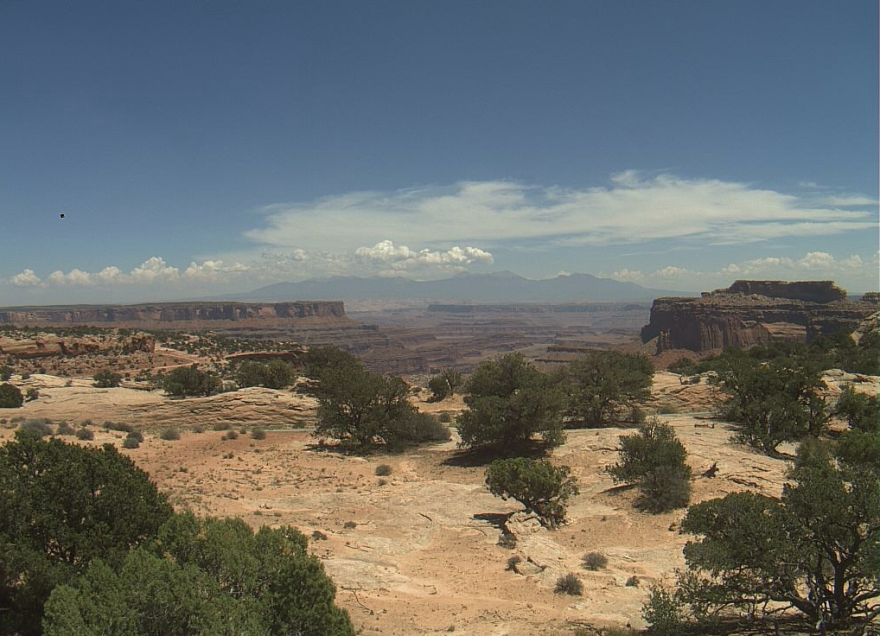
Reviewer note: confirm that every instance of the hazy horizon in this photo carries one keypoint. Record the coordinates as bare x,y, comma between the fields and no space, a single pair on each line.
201,149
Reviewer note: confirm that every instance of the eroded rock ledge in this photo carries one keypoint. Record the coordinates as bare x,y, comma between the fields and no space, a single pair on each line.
170,312
749,313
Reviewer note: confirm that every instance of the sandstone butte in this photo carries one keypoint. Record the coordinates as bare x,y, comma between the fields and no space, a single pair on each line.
750,313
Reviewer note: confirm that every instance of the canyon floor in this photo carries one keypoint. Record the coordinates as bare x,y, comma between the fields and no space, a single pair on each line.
416,552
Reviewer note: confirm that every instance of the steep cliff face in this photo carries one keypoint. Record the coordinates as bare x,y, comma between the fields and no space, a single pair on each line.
170,312
729,318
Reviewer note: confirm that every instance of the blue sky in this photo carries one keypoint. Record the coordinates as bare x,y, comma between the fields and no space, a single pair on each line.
196,146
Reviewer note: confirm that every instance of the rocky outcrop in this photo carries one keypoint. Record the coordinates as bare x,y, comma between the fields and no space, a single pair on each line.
745,318
170,312
814,291
49,346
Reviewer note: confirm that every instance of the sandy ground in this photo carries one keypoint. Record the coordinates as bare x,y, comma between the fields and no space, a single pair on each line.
417,552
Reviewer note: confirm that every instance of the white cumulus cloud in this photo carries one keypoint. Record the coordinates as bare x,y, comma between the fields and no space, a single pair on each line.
26,278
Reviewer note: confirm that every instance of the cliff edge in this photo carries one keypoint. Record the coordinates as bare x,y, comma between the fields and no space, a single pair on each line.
749,313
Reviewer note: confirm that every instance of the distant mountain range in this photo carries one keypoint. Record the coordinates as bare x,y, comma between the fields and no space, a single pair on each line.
477,288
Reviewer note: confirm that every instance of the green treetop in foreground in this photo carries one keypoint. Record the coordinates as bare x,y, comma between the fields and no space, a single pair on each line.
509,401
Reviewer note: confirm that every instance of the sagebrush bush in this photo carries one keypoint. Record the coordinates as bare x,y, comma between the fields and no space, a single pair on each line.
349,525
230,434
569,584
85,434
131,442
65,429
444,417
40,427
136,435
383,470
258,433
170,434
594,561
222,426
118,426
198,429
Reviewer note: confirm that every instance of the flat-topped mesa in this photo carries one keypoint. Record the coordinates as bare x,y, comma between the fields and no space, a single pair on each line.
170,312
750,313
813,291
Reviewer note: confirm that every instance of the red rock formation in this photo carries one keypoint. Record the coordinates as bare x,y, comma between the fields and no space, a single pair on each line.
49,346
814,291
170,312
728,318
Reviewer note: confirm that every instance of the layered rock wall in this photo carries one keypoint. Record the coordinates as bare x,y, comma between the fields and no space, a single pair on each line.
170,312
746,318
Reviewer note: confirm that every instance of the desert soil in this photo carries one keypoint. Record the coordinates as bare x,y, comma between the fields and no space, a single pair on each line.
416,552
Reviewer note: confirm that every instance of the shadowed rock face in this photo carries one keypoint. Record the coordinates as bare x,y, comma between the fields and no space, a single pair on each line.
170,312
798,312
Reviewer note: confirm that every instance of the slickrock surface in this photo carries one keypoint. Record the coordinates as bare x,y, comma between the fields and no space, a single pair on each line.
423,555
253,406
50,346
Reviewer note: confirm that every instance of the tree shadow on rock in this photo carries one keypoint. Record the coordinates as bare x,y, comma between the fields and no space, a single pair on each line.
485,455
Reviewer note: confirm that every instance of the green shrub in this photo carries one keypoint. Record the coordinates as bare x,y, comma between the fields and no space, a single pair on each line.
85,434
5,373
862,412
509,401
539,485
106,379
383,470
10,397
276,374
444,417
594,561
31,394
349,525
664,612
222,426
62,506
170,434
569,584
654,459
773,402
40,427
136,435
204,576
230,434
65,429
258,433
602,383
118,426
131,442
198,429
189,381
444,384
